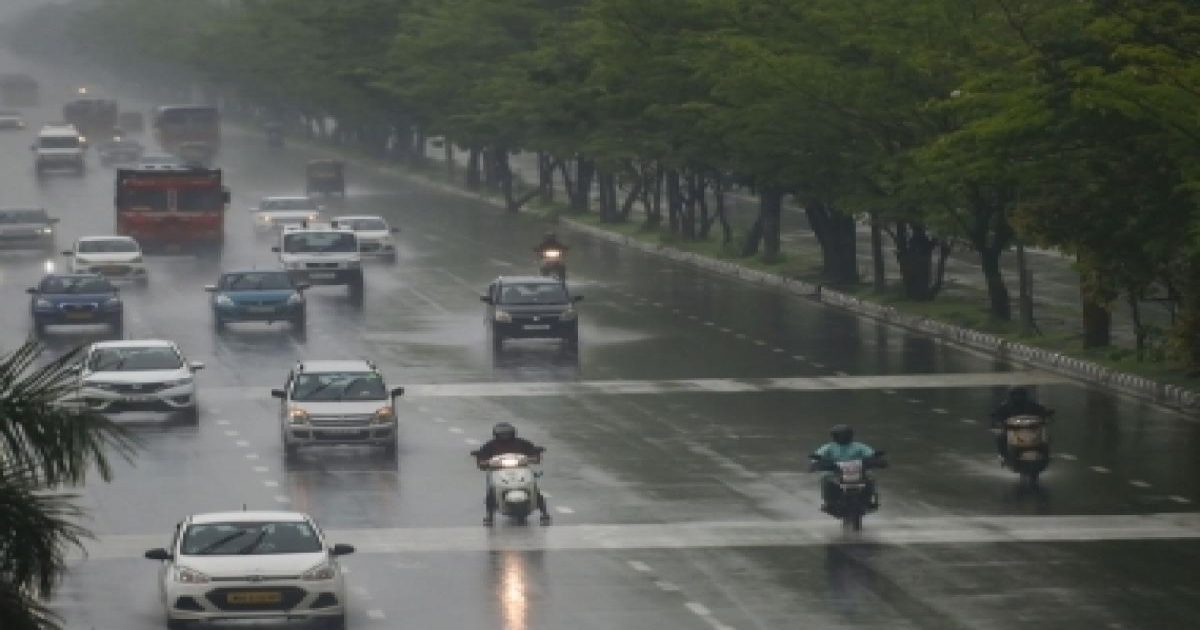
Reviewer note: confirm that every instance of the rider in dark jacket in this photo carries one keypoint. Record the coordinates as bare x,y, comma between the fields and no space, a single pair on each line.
549,241
505,440
1018,402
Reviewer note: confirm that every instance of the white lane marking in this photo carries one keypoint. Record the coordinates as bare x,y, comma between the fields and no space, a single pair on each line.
261,469
798,357
1180,500
778,350
968,420
725,330
439,420
473,441
709,324
818,365
430,301
759,342
501,263
223,423
251,456
375,613
740,335
271,483
698,609
669,587
279,498
658,304
639,566
890,392
1100,469
562,509
1138,483
455,430
727,534
242,443
232,433
360,591
1067,456
940,411
693,317
913,401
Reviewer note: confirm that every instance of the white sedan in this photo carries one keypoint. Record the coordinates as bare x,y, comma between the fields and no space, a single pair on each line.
374,235
251,565
139,375
272,213
114,257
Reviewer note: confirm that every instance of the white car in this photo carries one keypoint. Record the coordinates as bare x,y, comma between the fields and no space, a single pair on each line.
374,235
56,147
114,257
11,120
321,254
272,213
251,565
139,375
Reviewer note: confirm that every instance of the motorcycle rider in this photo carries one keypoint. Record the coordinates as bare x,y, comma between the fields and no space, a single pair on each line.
1018,402
843,448
550,242
504,440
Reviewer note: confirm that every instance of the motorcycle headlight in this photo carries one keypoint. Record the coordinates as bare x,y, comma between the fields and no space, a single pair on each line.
552,254
42,303
297,415
223,300
295,299
185,575
568,315
323,571
502,316
383,415
46,230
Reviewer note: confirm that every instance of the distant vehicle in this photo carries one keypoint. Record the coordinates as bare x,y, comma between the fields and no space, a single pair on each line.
175,125
194,153
119,150
158,161
255,295
27,228
320,254
173,210
139,375
58,147
374,235
337,402
94,117
131,122
272,213
325,177
253,566
531,307
18,90
114,257
11,120
75,299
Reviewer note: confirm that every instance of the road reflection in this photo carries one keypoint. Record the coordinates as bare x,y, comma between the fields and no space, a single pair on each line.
515,577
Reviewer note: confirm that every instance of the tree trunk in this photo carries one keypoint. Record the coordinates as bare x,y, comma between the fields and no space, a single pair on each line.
545,177
473,160
998,298
654,209
878,270
914,256
837,235
765,231
1097,320
674,201
726,229
586,171
451,167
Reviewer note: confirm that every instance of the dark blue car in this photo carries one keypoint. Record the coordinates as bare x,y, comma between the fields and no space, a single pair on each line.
75,298
257,296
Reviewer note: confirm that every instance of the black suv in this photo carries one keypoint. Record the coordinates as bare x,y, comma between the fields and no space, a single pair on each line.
531,307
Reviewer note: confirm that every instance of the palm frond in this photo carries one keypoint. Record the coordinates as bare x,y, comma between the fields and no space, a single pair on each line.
20,611
37,528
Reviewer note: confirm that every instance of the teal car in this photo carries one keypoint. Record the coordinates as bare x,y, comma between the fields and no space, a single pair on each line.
256,295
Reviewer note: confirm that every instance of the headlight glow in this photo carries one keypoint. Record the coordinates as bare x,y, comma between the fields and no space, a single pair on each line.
568,315
323,571
297,415
46,230
509,462
112,302
502,316
383,415
295,299
223,300
42,303
185,575
552,254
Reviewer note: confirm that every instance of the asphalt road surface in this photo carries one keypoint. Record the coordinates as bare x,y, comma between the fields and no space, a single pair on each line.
676,441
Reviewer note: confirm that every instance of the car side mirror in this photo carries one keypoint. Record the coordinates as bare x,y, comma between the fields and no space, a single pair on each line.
397,392
278,393
474,453
31,290
195,365
225,196
68,253
211,288
341,549
577,298
487,299
275,249
158,554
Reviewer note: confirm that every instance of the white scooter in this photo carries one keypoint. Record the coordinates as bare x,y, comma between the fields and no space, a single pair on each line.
514,482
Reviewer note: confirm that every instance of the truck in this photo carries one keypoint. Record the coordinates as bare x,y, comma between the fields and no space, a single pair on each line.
95,118
191,132
18,90
173,210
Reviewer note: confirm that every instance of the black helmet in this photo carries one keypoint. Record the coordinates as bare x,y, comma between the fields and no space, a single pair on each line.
504,431
842,434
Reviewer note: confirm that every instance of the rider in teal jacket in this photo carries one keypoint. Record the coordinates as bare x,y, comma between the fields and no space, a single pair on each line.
843,448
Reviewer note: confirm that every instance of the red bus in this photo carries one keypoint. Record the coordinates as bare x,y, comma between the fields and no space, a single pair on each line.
192,132
172,210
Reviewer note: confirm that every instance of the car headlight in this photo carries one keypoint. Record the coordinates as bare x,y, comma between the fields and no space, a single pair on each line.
42,303
186,380
297,415
569,315
295,299
314,216
46,230
185,575
383,415
264,218
112,303
323,571
223,300
502,316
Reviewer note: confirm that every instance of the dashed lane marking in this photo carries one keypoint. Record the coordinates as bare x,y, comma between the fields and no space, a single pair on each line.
223,423
698,609
455,430
725,330
242,443
1100,469
473,441
437,420
232,433
968,420
279,498
271,483
1067,456
669,587
799,357
818,365
1180,500
913,401
759,342
778,350
841,373
940,411
725,534
261,469
1138,483
251,456
562,509
639,566
375,613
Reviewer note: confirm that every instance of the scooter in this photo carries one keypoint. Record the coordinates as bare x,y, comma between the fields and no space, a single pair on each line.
1027,452
514,482
553,264
855,487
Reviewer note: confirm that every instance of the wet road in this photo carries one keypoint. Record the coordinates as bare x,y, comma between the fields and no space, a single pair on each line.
676,438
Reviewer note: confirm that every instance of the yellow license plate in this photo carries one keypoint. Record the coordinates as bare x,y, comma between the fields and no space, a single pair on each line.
254,597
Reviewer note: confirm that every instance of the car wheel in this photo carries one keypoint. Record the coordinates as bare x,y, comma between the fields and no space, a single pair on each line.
291,450
335,623
191,415
391,448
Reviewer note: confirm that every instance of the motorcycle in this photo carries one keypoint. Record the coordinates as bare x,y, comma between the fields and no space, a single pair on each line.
1027,442
855,487
274,136
553,264
513,481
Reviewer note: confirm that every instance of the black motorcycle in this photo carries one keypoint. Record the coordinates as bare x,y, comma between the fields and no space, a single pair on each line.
855,495
1027,446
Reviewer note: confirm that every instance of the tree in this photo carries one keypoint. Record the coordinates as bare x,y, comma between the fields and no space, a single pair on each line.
44,446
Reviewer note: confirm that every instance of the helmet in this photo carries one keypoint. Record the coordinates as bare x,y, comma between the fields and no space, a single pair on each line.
550,236
1018,395
842,434
504,431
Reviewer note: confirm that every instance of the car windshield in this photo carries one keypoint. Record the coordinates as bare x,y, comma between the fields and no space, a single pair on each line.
108,246
75,284
364,225
256,281
254,538
533,293
23,216
308,242
288,204
59,142
134,358
339,386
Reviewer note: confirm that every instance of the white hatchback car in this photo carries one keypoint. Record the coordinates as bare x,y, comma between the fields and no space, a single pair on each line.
139,375
251,565
114,257
374,235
